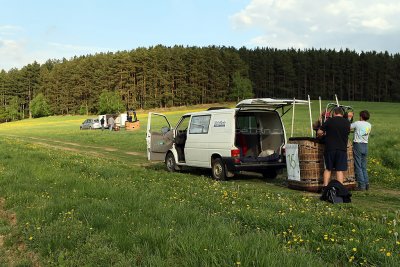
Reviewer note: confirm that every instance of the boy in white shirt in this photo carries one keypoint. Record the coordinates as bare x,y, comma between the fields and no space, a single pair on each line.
362,129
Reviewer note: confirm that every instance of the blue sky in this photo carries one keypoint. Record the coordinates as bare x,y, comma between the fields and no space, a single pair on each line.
41,29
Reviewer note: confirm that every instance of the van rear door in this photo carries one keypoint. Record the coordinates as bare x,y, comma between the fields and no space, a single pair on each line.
159,136
269,103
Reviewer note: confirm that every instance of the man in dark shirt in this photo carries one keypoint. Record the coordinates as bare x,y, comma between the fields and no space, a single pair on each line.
336,131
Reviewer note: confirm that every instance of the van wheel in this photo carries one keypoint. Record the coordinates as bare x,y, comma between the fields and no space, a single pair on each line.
270,174
218,169
171,163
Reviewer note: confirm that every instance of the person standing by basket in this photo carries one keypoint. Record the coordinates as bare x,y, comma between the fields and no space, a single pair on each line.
111,123
362,129
336,131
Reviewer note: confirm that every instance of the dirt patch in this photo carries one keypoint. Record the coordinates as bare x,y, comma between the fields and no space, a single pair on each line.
134,153
10,217
65,143
110,149
58,147
14,253
79,148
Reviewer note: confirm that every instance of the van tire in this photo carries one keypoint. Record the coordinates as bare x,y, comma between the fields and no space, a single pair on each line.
170,163
270,174
218,169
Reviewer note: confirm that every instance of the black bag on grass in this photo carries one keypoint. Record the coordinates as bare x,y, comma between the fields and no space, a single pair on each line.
336,192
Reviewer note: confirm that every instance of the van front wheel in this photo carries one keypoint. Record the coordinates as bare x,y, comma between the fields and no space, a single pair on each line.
171,163
218,169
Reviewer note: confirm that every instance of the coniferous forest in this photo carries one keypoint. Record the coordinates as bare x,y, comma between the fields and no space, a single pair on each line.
163,76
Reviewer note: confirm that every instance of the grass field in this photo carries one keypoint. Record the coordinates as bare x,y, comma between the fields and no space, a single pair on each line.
72,198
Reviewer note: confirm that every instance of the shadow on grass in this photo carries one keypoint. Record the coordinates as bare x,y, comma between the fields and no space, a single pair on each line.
247,177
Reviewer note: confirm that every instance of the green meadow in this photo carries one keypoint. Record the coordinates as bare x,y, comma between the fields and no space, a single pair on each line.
90,198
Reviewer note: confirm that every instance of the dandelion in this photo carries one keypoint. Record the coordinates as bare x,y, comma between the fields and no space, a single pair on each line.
353,230
354,249
30,238
388,254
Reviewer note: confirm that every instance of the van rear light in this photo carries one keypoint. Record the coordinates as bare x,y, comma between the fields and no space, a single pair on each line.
235,154
283,151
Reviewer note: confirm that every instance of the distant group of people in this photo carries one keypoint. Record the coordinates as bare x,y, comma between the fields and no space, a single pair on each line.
110,123
335,133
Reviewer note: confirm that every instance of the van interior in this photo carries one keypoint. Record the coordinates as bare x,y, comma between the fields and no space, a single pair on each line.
259,135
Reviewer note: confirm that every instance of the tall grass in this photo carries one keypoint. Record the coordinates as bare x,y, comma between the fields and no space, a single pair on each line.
79,210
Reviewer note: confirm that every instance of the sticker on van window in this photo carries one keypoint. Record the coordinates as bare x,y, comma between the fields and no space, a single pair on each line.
219,123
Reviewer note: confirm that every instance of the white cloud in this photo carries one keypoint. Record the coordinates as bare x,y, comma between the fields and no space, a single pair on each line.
11,53
18,50
18,53
307,23
9,29
377,23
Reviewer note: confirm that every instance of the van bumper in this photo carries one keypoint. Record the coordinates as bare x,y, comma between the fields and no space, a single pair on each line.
232,166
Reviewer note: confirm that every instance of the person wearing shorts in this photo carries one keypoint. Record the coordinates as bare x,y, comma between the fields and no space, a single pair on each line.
336,131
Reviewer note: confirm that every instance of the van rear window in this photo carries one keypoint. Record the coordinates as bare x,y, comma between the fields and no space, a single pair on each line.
199,124
248,122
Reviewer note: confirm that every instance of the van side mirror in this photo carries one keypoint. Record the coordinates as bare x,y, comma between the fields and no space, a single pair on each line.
165,130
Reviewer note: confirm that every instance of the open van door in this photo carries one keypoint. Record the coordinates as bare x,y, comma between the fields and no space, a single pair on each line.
159,136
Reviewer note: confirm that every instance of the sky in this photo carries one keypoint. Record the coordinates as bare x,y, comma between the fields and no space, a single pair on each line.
38,30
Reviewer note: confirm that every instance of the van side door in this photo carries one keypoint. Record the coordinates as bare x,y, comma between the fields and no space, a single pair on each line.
196,150
159,136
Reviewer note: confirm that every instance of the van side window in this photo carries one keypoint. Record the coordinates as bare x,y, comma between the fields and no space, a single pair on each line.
199,124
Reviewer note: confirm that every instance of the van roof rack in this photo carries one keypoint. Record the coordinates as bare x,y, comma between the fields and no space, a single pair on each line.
216,108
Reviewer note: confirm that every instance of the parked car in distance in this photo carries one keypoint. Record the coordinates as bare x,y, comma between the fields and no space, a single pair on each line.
90,124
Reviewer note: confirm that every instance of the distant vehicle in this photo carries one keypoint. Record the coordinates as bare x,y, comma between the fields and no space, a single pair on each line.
90,124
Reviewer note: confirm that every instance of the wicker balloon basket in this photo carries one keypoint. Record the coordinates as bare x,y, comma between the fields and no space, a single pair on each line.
311,164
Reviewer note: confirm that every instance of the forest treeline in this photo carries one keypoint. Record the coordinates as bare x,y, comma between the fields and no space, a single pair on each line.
163,76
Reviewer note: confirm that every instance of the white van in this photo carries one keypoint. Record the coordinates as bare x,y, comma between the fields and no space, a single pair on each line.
250,137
